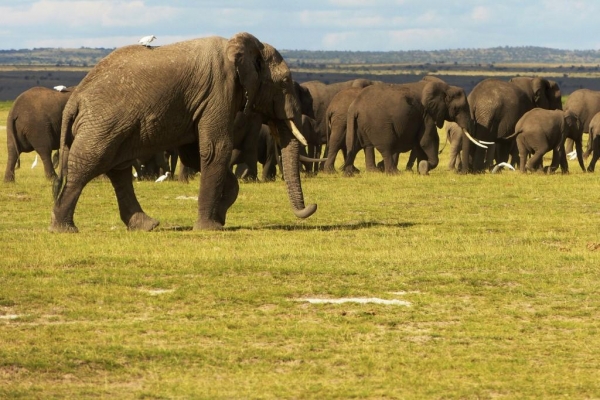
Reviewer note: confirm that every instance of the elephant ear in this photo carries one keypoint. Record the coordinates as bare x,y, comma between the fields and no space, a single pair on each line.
540,88
244,51
434,101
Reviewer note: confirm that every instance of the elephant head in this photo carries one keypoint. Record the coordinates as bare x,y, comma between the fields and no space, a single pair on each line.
443,102
269,90
572,128
543,93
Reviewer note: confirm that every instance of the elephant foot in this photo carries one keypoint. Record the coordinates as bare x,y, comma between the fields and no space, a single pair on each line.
9,180
423,168
141,222
58,227
208,225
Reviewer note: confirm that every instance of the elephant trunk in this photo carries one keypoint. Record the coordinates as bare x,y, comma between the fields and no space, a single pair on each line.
290,147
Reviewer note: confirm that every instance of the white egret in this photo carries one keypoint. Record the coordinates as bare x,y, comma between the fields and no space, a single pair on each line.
60,88
572,155
163,177
500,165
145,41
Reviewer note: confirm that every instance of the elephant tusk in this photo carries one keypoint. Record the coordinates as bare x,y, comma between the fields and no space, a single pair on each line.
296,132
473,140
481,141
310,159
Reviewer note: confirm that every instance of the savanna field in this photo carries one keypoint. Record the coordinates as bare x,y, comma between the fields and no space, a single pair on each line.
481,286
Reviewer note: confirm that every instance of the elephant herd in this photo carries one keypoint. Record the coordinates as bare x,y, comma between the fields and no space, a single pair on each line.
214,103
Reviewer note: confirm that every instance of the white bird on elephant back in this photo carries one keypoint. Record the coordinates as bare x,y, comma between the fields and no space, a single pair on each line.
145,41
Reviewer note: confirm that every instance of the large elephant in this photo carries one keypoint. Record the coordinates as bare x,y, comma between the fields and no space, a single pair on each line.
316,97
539,131
336,118
594,141
139,100
33,124
398,118
496,106
584,103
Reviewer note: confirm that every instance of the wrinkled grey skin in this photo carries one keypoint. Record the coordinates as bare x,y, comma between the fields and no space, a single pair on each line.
336,118
539,131
183,95
315,100
399,118
585,104
336,121
246,129
496,106
454,136
594,141
266,154
33,124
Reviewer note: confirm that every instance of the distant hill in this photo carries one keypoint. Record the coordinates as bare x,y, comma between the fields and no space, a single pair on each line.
82,57
499,55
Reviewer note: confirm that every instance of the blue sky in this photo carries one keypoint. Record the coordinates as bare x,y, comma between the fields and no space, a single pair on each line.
357,25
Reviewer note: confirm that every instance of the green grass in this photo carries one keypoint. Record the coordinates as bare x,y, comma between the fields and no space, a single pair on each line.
501,272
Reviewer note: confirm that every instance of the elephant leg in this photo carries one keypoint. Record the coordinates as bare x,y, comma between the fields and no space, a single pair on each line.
411,160
536,159
595,139
46,157
337,140
130,210
64,207
218,186
370,159
391,168
523,152
11,163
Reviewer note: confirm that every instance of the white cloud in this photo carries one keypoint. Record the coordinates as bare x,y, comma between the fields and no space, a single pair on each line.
481,14
337,40
109,14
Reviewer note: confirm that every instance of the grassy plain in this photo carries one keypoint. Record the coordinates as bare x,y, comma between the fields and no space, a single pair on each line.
501,273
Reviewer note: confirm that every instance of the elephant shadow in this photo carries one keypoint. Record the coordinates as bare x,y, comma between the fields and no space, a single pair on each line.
301,227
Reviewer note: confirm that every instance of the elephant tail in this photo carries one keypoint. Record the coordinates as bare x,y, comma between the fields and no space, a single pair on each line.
11,135
66,138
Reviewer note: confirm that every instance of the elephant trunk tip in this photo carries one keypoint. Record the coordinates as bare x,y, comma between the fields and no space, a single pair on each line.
306,211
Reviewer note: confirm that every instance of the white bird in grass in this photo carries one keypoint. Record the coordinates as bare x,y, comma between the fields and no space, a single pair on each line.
572,155
60,88
163,177
34,162
145,41
500,165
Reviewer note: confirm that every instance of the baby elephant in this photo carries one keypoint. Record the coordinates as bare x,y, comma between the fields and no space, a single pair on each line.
539,131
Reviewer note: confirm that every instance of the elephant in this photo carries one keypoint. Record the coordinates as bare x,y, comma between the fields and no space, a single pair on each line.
154,165
496,106
584,103
539,131
183,95
246,129
454,136
33,124
594,141
336,118
335,121
316,97
398,118
266,154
